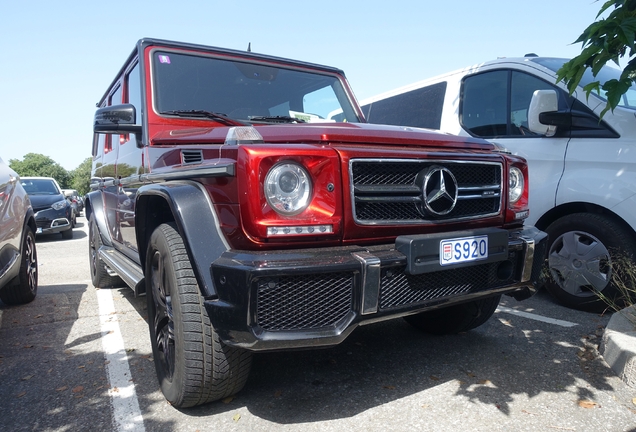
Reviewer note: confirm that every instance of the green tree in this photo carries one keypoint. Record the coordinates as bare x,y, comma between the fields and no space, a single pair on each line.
607,39
81,177
39,165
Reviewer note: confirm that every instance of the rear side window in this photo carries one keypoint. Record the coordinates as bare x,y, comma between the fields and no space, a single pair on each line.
421,107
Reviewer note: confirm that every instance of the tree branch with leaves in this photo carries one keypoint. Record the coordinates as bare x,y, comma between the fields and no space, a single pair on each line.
607,39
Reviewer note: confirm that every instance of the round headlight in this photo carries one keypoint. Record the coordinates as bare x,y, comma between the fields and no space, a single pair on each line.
516,185
288,188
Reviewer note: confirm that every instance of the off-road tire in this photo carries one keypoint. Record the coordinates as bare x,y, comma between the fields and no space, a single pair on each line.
584,250
99,275
193,366
455,319
24,287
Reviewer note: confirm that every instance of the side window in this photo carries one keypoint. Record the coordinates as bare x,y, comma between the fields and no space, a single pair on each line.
495,104
421,107
133,96
522,88
114,99
484,104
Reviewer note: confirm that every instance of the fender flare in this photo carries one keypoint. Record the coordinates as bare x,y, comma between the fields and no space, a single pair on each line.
94,204
193,212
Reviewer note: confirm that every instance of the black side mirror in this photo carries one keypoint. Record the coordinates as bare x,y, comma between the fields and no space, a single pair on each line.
116,119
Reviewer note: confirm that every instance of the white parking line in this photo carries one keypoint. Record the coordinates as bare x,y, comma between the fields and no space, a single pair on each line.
126,413
535,317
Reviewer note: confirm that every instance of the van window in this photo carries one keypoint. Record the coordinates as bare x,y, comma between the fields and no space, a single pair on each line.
421,107
495,104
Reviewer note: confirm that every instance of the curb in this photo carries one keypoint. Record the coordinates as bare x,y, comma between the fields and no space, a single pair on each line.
618,346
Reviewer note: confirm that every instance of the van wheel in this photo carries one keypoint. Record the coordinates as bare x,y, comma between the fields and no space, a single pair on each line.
585,251
99,275
455,319
193,366
24,287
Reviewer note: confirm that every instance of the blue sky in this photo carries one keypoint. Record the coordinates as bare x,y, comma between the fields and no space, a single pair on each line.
59,57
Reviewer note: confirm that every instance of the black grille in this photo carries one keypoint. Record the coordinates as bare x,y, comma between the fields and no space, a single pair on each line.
304,301
391,191
400,289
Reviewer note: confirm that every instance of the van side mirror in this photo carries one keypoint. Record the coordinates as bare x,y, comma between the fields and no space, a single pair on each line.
116,119
542,101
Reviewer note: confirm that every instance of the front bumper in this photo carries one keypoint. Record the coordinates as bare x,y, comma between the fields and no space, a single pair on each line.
316,297
50,221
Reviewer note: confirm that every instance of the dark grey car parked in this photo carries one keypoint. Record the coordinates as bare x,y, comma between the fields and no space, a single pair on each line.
53,212
18,256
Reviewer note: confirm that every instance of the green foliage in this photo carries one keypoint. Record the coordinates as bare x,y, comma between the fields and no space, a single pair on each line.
81,177
39,165
608,39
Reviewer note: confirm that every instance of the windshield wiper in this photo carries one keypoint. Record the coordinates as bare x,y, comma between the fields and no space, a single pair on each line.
277,119
220,117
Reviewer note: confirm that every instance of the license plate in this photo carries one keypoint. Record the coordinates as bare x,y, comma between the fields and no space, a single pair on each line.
38,231
462,250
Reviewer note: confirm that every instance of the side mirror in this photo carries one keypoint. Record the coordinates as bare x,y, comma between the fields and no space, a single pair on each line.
116,119
542,101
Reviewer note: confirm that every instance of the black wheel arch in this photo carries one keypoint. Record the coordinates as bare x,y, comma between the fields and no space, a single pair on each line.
187,205
94,204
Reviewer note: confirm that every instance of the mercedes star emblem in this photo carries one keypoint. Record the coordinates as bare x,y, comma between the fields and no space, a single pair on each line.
440,191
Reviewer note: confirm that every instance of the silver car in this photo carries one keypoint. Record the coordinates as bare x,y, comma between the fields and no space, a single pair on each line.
18,255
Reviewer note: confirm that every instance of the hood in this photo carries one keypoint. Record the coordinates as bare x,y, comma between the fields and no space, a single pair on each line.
317,133
39,202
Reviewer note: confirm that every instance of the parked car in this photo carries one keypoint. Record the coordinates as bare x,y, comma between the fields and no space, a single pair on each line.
75,198
53,212
583,169
287,222
18,254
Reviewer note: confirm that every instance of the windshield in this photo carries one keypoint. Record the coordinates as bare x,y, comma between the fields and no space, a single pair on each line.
605,74
253,92
40,187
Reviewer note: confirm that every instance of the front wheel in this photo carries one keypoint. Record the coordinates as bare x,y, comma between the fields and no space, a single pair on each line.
455,319
584,252
24,287
193,365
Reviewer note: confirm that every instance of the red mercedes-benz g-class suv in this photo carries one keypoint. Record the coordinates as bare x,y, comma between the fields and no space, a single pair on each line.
247,198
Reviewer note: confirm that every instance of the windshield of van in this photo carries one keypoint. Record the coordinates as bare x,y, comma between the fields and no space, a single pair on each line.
605,74
189,84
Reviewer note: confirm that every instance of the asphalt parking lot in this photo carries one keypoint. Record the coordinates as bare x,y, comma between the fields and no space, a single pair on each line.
78,358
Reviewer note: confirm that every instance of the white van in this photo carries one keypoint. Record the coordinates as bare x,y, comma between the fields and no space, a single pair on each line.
582,169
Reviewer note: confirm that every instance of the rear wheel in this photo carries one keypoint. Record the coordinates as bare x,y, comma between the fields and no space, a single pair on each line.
24,287
193,365
99,273
584,252
455,319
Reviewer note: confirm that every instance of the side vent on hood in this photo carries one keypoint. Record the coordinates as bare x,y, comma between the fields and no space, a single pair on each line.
189,157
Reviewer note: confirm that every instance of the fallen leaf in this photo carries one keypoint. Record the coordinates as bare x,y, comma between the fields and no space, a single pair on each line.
81,367
434,378
26,378
587,404
236,417
21,394
39,316
485,382
278,393
470,374
27,346
227,400
115,390
389,387
59,389
77,389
